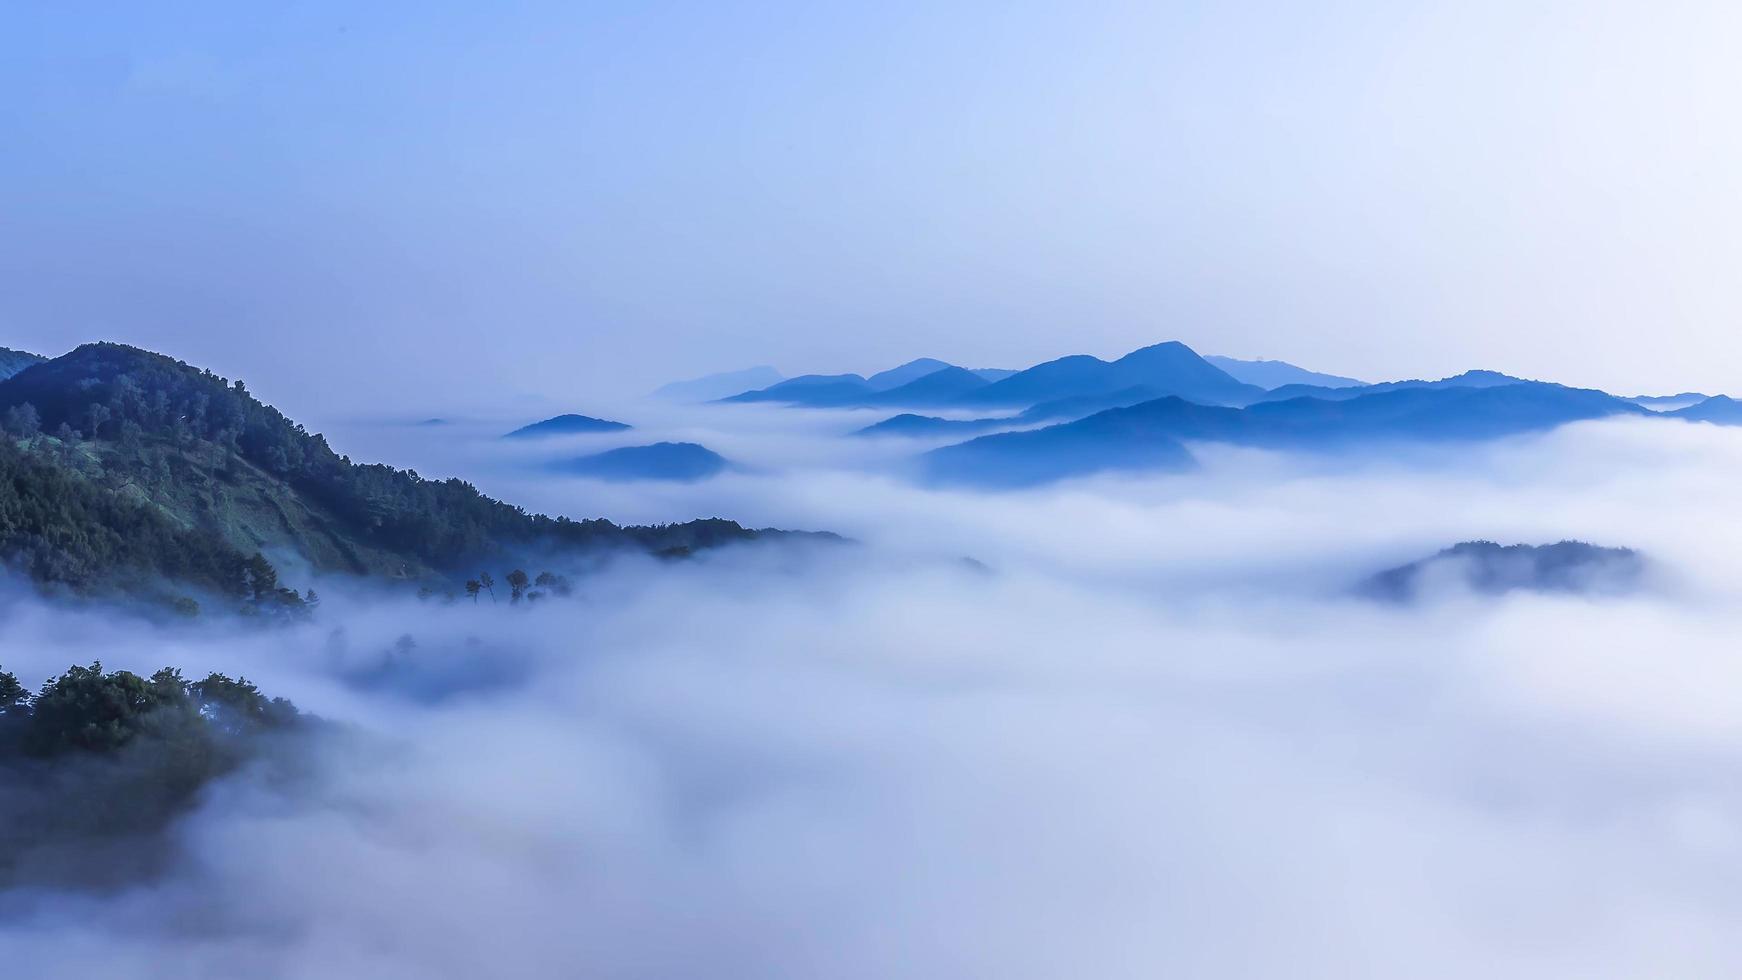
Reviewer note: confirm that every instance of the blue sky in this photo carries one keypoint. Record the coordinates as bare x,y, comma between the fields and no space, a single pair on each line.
358,203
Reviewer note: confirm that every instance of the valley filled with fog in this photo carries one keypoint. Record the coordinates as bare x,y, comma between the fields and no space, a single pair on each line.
1126,725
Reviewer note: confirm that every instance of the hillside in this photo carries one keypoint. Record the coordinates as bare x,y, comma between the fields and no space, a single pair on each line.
166,459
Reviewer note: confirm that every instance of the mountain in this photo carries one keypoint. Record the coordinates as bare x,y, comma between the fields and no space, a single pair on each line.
993,374
1170,368
1718,409
925,426
941,387
14,361
1275,374
1491,569
1112,441
131,469
566,425
677,461
913,370
1669,403
1469,379
1140,435
1052,411
714,386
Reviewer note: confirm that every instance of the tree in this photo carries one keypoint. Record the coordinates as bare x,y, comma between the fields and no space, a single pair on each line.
98,414
23,421
517,582
13,696
473,587
488,583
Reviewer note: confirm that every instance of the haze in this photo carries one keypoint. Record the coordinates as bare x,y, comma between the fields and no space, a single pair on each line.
349,204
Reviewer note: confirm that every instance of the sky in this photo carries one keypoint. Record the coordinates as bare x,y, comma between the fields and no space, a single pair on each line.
434,206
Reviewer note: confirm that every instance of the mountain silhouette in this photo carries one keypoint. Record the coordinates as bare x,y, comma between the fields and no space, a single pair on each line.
1169,368
1128,438
683,462
1719,409
566,425
1275,374
712,386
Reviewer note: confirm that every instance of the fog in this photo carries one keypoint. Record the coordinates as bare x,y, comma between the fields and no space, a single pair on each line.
1151,733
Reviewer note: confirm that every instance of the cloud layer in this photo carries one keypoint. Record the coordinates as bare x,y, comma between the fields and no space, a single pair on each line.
1154,735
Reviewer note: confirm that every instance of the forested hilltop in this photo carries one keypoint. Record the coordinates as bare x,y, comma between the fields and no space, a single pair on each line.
125,469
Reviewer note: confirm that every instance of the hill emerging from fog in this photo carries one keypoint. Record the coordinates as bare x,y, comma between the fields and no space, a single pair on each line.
1487,568
681,462
128,470
566,425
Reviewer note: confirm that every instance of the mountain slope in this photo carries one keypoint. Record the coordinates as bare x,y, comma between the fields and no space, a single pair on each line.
1127,438
1275,374
14,361
815,390
206,456
912,371
722,385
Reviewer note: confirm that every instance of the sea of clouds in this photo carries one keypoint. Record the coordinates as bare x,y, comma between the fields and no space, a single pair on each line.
1148,730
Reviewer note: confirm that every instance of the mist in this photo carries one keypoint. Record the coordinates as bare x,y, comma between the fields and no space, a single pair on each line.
1149,730
449,205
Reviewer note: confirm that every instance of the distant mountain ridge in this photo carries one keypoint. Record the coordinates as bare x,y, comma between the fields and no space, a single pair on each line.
712,386
1152,434
1275,374
1166,368
14,361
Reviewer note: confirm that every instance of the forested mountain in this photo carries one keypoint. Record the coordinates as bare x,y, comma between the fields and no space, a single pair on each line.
95,765
127,466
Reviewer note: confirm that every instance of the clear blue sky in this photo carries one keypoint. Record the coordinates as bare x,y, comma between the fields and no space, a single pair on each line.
351,202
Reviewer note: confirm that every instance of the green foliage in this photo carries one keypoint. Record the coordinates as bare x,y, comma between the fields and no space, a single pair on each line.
98,762
62,528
